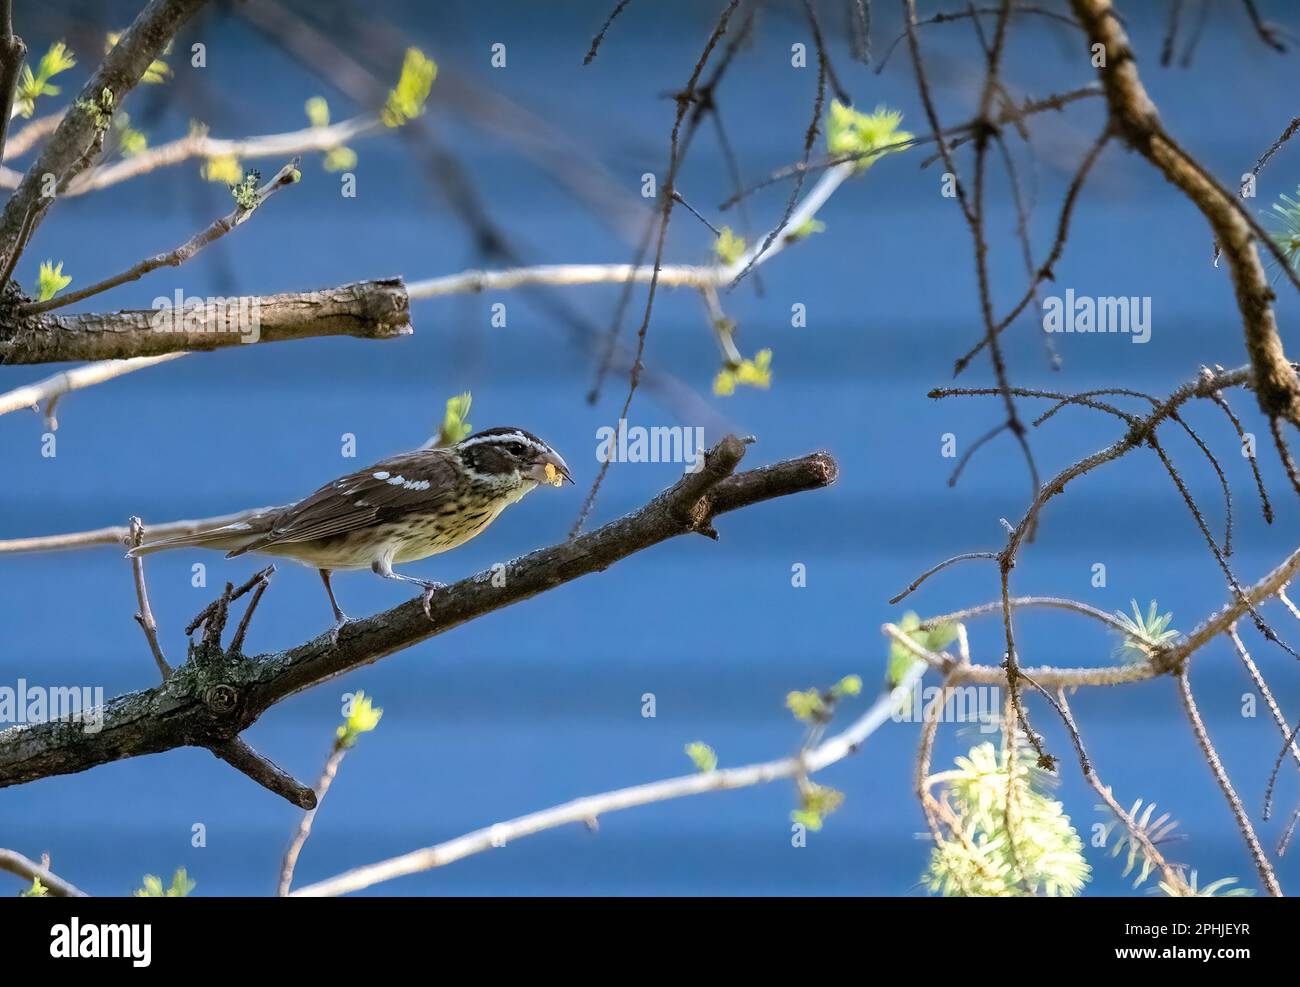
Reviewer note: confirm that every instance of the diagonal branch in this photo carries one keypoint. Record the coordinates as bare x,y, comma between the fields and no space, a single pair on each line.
1134,115
16,863
73,146
270,776
1262,863
592,807
215,230
55,386
208,703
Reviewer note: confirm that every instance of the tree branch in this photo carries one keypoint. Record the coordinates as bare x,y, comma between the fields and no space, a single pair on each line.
209,700
118,534
366,310
592,807
243,758
1168,660
12,53
75,143
215,230
1134,114
1262,863
57,385
144,616
16,863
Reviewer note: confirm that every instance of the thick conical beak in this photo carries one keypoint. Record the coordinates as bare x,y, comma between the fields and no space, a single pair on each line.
551,469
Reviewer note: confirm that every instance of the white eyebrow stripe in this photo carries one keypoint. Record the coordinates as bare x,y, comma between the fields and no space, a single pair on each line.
501,437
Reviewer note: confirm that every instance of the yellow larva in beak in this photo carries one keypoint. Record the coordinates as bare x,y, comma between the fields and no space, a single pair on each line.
553,476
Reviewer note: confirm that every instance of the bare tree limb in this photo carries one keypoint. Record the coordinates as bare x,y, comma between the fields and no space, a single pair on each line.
240,756
366,310
289,863
144,617
592,807
198,144
1168,660
1262,864
16,863
1134,115
1173,875
53,387
214,231
116,534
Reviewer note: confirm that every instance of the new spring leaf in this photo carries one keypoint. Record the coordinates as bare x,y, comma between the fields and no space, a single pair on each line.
406,100
50,280
865,137
33,85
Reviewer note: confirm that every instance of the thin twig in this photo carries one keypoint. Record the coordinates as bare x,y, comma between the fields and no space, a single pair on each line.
291,853
144,617
1262,864
288,175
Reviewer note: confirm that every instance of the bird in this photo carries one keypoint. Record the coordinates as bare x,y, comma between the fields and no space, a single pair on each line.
399,510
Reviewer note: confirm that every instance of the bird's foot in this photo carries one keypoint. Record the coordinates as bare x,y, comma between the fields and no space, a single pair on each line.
426,598
340,622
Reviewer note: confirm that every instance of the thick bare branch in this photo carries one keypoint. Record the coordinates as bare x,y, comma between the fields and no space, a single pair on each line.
367,310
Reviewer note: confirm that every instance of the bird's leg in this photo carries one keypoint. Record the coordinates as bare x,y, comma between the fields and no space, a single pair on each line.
340,618
384,567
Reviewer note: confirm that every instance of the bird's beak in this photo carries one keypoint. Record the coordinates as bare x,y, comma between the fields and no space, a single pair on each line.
551,469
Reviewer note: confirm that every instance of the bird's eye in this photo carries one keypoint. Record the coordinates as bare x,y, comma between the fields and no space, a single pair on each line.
514,448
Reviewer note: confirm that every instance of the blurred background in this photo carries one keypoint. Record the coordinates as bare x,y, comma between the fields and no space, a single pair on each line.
541,702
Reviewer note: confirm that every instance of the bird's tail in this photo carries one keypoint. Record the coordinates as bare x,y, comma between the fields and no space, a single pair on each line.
229,535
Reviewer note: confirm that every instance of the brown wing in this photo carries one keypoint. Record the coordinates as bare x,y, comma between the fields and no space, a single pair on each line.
376,495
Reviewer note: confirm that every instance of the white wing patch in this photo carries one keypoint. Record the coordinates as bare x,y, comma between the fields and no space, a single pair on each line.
401,481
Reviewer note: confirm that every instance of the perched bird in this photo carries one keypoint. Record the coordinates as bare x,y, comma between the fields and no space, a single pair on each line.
399,510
